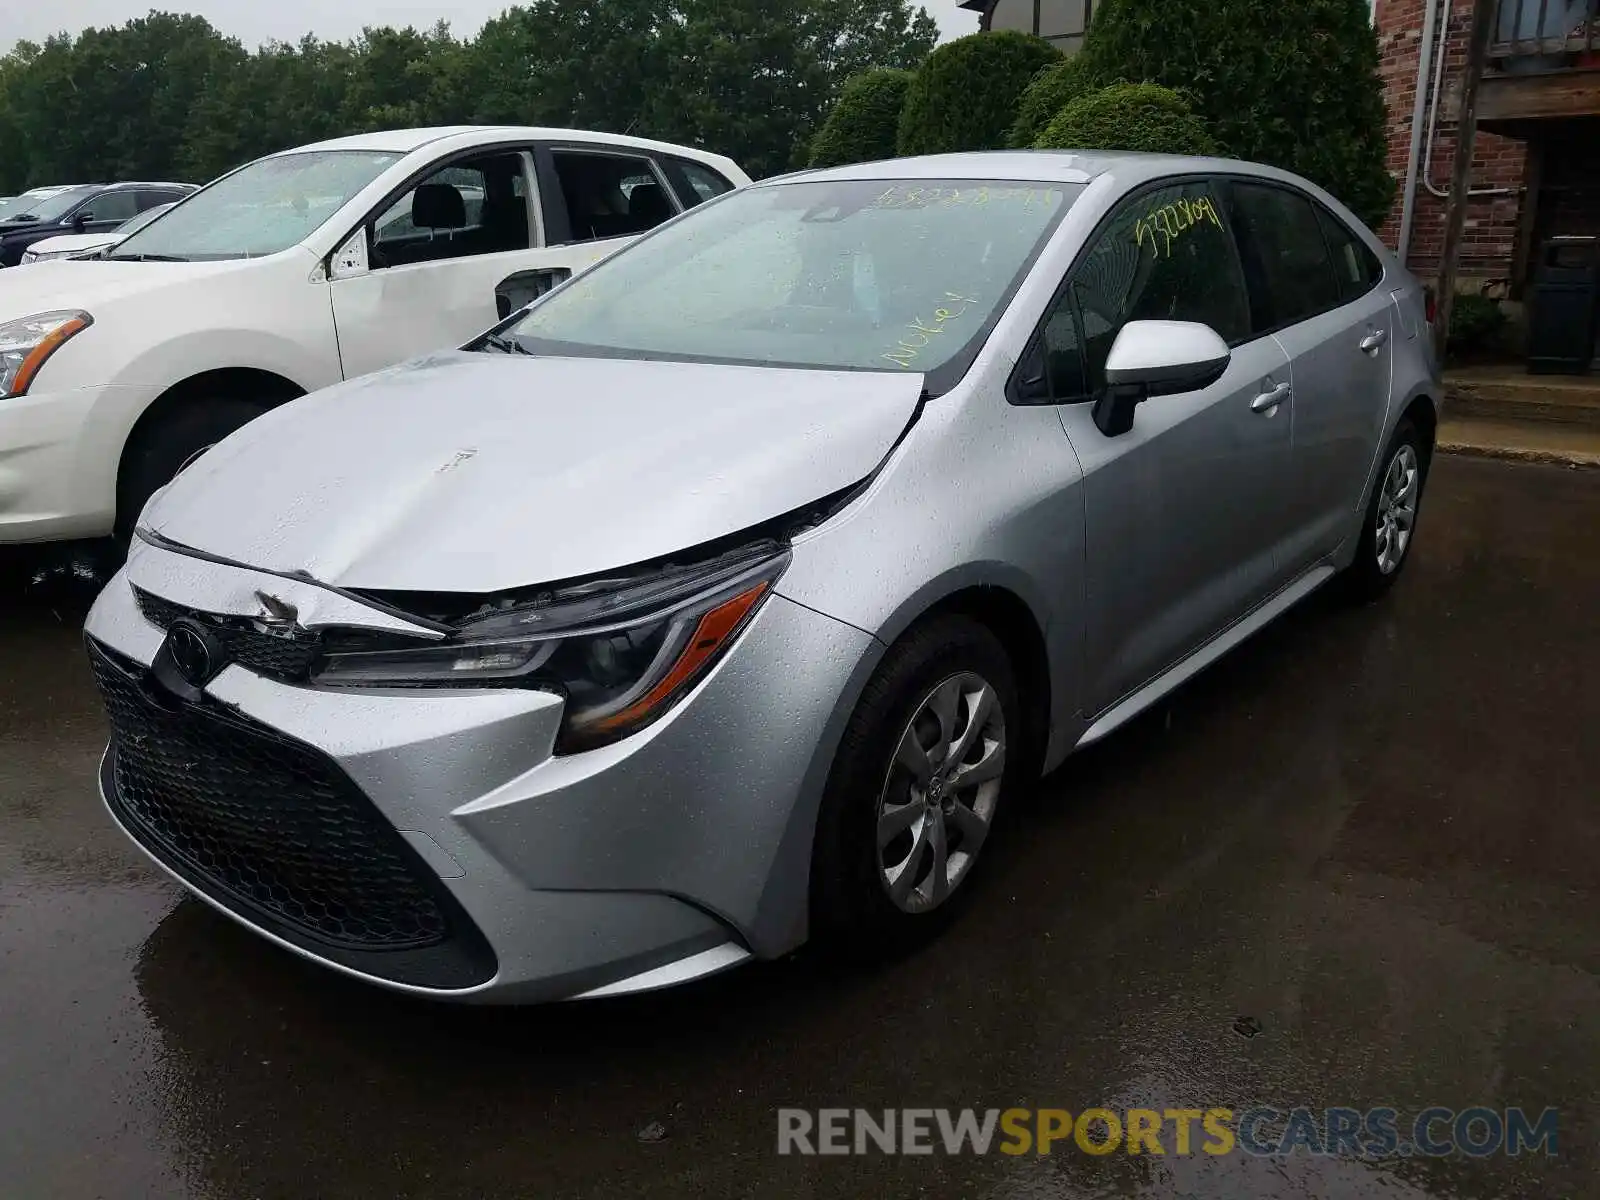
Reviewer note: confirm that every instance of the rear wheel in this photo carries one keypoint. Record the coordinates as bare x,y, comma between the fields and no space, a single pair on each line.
915,789
159,451
1390,525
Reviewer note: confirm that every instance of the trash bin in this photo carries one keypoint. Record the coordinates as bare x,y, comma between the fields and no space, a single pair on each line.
1564,307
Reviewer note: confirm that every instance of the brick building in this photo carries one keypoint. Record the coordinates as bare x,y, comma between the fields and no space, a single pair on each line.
1536,163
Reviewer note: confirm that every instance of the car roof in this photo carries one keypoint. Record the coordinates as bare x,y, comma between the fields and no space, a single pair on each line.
1041,166
139,183
405,141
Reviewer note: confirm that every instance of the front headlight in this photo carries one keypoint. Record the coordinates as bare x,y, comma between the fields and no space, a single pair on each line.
35,256
621,652
27,343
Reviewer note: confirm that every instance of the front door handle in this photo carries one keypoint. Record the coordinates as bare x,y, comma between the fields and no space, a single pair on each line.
1374,341
1269,401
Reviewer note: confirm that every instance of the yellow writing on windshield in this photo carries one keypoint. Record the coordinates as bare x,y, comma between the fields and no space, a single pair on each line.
976,197
1165,225
919,334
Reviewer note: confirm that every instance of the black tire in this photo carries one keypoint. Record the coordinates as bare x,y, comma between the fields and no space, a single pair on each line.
160,450
1365,579
851,910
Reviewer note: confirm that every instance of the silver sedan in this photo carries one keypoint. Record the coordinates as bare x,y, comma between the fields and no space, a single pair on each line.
724,598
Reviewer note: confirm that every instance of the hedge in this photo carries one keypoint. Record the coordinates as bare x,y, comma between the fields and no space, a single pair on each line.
1128,116
965,95
1294,85
1052,89
865,120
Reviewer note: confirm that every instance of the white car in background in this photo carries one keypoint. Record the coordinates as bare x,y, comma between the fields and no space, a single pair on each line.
70,245
289,274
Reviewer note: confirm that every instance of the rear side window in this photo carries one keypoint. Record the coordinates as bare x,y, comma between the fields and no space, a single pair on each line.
1165,255
156,197
610,195
1285,258
1356,266
702,182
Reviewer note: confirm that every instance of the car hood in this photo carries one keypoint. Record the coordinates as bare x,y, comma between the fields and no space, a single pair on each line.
479,473
76,243
72,283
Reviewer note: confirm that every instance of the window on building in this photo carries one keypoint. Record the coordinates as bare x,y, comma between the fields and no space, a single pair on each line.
1061,22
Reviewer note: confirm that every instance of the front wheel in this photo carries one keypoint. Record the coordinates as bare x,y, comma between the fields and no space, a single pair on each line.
161,450
915,789
1390,524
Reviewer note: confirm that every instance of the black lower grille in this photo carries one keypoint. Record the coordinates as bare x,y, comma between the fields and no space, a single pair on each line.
273,829
281,656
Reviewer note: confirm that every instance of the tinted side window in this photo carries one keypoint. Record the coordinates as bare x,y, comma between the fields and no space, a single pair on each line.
111,206
158,196
1164,256
1356,266
1286,260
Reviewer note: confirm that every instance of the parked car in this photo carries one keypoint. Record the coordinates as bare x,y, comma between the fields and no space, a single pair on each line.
22,203
289,274
90,208
86,245
726,595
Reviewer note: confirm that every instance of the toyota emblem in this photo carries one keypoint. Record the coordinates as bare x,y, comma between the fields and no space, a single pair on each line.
194,652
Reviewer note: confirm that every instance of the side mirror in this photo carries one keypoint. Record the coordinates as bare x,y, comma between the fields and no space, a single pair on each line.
81,220
1157,358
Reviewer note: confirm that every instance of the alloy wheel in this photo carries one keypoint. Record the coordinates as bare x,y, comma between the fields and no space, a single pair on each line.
939,795
1397,509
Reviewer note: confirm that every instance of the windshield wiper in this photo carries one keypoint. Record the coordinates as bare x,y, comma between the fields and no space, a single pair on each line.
506,345
145,258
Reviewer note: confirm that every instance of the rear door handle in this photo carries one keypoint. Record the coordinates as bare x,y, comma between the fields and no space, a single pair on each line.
1268,401
1374,341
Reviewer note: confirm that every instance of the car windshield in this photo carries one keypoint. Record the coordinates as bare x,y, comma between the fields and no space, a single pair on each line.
891,275
51,207
263,208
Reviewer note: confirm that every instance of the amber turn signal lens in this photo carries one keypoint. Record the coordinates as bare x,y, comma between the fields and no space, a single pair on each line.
715,629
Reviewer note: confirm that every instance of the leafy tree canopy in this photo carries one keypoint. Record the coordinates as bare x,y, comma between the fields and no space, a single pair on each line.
965,95
169,97
1128,116
1052,89
866,120
1294,85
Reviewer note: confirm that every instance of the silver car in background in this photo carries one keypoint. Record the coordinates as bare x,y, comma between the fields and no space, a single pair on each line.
724,597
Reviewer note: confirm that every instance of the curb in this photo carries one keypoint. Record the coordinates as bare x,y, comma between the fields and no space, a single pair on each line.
1574,460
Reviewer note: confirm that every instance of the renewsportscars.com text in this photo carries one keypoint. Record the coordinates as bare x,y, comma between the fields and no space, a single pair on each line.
1261,1131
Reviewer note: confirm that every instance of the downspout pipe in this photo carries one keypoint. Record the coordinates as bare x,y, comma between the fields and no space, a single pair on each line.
1433,124
1418,115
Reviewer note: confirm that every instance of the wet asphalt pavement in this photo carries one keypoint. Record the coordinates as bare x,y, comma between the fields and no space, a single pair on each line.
1375,833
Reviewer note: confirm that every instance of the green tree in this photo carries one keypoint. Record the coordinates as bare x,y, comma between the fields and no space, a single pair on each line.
1128,116
865,121
114,103
1294,85
1051,90
167,96
965,95
750,78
